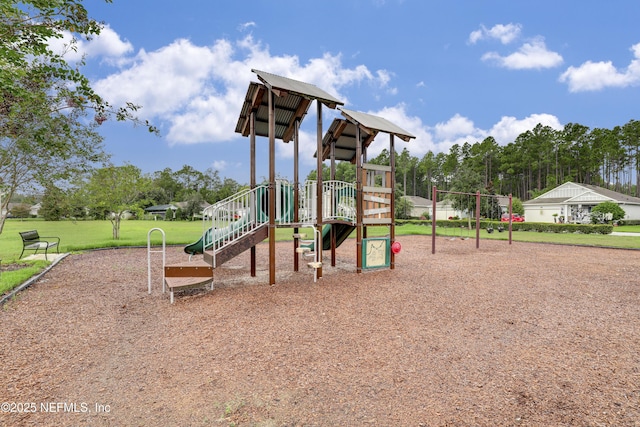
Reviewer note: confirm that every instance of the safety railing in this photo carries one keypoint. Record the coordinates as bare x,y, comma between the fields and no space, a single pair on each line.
228,220
338,201
231,218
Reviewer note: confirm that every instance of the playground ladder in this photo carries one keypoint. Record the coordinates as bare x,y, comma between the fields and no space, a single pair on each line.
306,250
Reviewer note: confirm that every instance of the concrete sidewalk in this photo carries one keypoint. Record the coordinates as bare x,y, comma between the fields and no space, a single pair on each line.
50,257
623,233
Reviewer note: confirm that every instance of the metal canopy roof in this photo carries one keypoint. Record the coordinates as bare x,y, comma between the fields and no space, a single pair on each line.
292,101
369,121
343,134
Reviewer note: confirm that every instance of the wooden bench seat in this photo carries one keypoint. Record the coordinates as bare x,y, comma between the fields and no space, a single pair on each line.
187,276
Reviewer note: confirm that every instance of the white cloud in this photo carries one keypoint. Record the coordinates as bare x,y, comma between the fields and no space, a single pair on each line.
457,130
219,165
505,33
107,45
592,76
509,128
530,55
246,25
195,94
197,91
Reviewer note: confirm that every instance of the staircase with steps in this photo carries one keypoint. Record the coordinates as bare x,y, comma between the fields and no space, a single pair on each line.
198,273
189,275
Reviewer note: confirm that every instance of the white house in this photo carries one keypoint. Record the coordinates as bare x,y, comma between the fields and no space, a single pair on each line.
444,210
420,206
571,202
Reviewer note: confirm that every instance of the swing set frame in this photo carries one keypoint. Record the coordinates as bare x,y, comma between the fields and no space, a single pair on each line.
478,196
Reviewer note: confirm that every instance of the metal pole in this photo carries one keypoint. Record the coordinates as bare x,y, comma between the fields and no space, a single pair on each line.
510,213
477,219
434,192
164,256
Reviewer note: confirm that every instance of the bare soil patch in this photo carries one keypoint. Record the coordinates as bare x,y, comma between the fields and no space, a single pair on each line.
520,335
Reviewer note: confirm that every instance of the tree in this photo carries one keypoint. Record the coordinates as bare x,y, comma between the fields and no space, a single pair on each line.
38,147
20,210
26,29
607,211
194,207
517,206
403,208
53,205
114,190
190,180
44,101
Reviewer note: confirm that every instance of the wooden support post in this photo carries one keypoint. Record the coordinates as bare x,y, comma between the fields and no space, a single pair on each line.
272,189
319,183
359,200
252,182
296,194
434,194
477,219
333,203
364,160
392,226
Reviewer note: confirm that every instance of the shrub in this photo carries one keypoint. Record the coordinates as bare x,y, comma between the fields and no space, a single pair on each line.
543,227
601,210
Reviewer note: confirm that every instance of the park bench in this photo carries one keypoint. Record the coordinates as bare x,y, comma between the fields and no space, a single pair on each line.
31,240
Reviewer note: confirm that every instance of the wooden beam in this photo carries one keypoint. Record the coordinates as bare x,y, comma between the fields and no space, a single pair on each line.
334,137
255,104
300,112
369,140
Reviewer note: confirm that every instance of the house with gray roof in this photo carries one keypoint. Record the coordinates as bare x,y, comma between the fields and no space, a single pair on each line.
419,205
572,202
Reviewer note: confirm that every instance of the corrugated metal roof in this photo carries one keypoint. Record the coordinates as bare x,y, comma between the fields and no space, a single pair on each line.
292,101
305,90
287,109
343,133
381,124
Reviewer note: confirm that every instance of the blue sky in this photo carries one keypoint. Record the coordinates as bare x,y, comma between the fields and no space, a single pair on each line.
446,71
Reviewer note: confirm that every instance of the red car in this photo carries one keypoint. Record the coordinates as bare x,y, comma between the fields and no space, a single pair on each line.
514,218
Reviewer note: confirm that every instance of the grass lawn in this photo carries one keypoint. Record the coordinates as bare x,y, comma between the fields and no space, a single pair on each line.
83,235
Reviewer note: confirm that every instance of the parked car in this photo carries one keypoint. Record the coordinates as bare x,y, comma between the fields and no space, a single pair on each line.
514,218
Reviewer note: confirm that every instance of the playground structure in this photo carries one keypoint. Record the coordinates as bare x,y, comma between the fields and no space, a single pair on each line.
477,196
275,108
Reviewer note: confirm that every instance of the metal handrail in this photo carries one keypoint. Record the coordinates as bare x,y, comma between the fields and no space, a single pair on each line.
164,256
338,201
229,219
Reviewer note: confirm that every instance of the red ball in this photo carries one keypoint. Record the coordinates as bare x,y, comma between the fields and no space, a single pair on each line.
396,247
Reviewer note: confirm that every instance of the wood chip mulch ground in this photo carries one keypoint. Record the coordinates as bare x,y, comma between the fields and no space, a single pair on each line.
504,335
